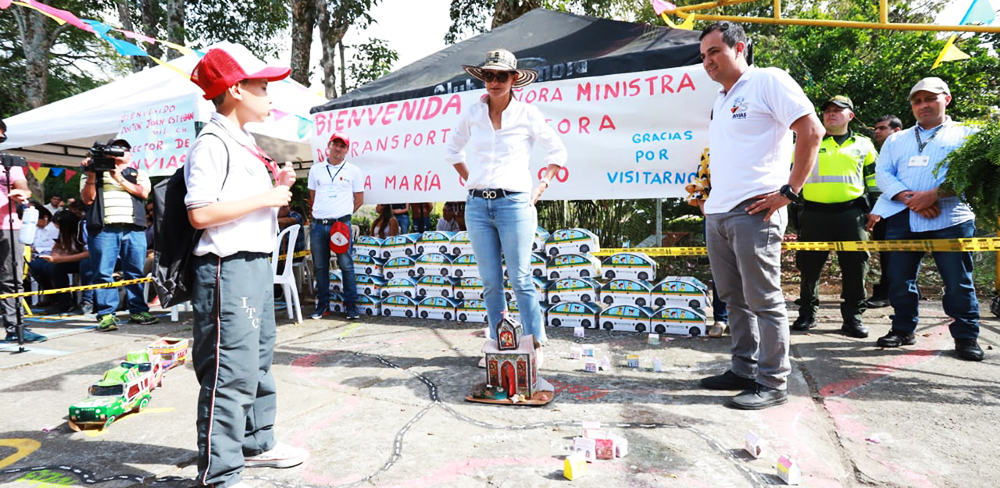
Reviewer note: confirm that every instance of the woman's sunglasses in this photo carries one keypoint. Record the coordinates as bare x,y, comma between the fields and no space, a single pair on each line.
500,76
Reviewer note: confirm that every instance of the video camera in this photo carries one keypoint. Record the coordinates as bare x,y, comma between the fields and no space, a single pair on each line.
8,161
102,156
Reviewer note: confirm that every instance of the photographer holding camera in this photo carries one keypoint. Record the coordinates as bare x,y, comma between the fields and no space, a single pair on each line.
13,192
116,223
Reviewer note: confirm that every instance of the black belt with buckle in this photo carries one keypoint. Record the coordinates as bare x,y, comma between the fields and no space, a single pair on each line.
346,219
492,193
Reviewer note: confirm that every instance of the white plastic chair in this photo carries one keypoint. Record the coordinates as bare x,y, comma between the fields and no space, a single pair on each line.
286,278
303,269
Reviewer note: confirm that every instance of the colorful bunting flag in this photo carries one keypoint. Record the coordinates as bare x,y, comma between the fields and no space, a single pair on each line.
278,114
57,171
138,37
305,126
178,47
69,175
659,6
4,4
60,16
124,48
980,12
950,53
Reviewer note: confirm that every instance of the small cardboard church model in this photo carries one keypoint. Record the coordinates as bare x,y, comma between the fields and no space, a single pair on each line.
511,370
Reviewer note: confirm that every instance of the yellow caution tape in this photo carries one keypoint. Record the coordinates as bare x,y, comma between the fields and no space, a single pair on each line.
974,244
77,288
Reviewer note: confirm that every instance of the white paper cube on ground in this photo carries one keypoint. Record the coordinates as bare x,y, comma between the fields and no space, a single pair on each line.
789,471
588,447
754,444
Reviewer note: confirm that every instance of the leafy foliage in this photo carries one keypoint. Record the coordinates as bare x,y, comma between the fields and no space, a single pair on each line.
371,60
974,172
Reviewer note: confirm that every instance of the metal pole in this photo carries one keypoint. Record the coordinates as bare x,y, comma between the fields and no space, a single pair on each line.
659,222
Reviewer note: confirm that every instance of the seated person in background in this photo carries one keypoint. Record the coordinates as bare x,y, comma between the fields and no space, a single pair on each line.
288,217
45,238
421,217
54,205
69,255
452,217
386,224
78,208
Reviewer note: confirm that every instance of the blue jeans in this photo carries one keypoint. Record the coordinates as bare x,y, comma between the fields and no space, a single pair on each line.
960,302
404,223
319,247
106,247
507,225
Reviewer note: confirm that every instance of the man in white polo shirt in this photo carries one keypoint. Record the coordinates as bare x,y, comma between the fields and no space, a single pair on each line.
336,190
750,136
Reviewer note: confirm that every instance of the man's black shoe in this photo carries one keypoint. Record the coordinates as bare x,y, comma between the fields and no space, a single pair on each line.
969,350
803,323
896,338
758,397
877,302
727,381
855,329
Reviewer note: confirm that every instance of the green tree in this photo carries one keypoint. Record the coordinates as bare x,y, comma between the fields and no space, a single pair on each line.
371,60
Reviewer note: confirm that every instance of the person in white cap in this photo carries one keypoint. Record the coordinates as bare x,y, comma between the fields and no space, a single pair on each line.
500,208
914,208
230,194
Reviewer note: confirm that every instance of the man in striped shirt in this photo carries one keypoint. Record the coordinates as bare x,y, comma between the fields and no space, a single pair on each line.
116,223
914,208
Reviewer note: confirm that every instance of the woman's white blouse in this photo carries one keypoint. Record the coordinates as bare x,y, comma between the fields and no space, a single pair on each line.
499,158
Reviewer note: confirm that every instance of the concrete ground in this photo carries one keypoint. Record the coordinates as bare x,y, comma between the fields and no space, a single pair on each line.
380,402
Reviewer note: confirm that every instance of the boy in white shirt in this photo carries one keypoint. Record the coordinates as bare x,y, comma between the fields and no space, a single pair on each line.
230,195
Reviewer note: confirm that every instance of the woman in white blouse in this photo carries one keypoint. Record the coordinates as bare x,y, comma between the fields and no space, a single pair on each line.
499,132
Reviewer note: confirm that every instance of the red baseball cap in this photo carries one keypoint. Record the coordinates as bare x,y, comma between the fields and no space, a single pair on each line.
341,136
220,69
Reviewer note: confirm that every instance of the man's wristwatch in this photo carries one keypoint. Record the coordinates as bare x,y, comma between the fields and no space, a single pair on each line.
787,192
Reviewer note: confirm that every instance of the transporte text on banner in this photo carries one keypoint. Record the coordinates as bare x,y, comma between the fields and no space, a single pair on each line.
629,135
160,134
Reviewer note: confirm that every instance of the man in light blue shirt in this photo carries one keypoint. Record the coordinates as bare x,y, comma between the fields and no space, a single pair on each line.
915,209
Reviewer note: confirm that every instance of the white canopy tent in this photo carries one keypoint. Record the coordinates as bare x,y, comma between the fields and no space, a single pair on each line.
60,133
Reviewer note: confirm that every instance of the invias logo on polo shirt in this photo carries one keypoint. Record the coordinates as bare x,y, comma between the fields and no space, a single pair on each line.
739,108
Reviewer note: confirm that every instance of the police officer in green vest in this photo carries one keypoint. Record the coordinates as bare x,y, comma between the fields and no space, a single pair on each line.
834,209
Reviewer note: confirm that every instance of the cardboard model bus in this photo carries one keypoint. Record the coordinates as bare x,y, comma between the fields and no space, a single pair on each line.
572,314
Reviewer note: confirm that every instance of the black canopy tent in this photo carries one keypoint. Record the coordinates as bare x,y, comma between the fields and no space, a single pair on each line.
558,45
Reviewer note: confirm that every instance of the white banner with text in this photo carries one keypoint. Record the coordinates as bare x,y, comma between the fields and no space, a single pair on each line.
629,135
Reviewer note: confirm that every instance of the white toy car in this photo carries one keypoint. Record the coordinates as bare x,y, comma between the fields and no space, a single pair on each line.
435,286
368,245
625,318
400,285
460,244
574,290
573,266
685,291
437,308
399,306
432,263
465,265
625,292
629,265
540,289
468,287
365,264
400,266
472,310
572,241
401,245
572,314
435,241
677,320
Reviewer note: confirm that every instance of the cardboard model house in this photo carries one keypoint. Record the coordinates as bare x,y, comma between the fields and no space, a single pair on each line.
510,361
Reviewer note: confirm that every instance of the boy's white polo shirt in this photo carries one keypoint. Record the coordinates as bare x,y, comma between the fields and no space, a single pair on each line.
749,136
335,188
248,176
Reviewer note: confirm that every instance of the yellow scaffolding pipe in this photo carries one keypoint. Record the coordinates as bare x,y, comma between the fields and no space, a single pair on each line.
882,24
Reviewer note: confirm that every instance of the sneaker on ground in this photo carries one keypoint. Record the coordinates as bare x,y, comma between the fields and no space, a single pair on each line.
29,336
352,314
717,329
281,456
143,318
107,323
318,315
